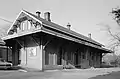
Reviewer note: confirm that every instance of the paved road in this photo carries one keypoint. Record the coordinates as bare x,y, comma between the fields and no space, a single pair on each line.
114,75
62,74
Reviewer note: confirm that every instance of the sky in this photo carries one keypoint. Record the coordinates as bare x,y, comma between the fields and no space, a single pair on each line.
85,16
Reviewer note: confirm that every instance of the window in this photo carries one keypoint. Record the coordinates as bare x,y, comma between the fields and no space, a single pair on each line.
29,25
22,26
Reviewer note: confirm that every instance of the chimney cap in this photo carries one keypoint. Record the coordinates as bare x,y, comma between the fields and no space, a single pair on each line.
68,25
47,13
38,12
89,35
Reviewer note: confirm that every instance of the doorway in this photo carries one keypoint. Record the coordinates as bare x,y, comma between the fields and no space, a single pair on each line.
76,58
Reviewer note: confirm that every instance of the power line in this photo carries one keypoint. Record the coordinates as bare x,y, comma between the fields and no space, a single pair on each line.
6,20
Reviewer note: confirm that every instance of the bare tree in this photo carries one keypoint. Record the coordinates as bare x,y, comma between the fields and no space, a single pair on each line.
114,43
115,36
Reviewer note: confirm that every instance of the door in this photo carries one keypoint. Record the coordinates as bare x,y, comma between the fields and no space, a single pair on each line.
59,57
76,58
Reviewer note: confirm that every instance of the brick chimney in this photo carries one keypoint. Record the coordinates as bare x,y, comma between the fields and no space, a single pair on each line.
47,16
38,13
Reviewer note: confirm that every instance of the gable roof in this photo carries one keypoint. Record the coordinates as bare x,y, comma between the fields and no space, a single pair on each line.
58,28
63,29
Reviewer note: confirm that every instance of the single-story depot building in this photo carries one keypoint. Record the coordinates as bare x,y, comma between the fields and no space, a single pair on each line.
41,44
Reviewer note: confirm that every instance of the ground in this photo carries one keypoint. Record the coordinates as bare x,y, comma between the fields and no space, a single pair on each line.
98,73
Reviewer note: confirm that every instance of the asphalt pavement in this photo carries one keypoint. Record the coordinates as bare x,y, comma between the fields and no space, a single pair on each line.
92,73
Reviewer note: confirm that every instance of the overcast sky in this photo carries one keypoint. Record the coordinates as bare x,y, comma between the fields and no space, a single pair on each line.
85,16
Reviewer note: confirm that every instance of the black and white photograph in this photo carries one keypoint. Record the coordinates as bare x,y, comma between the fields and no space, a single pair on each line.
59,39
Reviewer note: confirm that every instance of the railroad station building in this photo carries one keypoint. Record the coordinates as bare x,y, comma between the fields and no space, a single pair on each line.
41,44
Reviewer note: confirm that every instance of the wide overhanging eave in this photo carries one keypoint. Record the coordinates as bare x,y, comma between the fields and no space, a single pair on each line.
21,34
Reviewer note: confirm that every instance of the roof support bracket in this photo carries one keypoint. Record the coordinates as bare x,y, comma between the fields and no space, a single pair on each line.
47,43
19,43
35,40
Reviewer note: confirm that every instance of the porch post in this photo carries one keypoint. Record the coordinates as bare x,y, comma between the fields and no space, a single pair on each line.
15,54
42,57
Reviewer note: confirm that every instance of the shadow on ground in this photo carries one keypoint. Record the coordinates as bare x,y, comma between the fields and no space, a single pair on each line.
113,75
